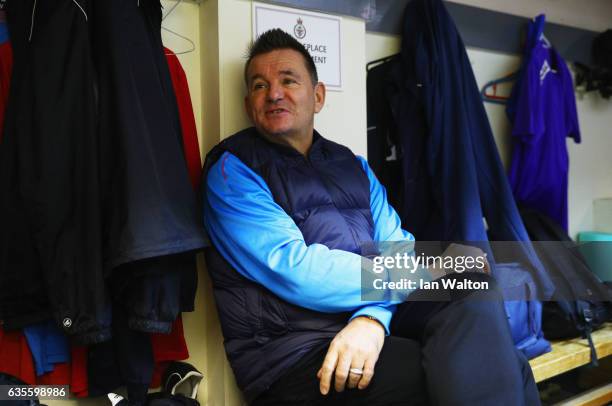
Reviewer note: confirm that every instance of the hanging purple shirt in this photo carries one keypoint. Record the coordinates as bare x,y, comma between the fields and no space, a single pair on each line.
545,115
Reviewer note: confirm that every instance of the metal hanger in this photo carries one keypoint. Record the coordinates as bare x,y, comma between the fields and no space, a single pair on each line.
172,9
193,47
380,60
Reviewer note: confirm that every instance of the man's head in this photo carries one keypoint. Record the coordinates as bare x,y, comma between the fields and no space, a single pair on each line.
283,93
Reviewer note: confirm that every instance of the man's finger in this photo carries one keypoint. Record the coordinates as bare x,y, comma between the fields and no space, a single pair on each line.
354,377
342,371
368,373
327,369
487,267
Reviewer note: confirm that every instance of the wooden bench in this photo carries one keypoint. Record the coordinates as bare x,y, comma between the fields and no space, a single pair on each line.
569,354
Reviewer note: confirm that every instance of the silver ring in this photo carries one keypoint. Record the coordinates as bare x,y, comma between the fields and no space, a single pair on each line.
356,371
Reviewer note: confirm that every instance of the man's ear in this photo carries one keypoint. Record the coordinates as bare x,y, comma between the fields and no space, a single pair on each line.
319,94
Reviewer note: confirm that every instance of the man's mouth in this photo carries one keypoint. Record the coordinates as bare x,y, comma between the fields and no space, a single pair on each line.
276,111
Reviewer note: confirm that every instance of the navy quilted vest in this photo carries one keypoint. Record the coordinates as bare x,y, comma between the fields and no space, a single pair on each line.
327,194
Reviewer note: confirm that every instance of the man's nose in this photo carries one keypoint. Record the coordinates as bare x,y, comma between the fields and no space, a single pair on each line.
275,92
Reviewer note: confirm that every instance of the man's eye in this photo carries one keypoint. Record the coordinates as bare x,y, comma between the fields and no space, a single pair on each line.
289,81
258,86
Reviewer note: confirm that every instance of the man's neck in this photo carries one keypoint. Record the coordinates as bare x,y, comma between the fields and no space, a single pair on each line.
301,143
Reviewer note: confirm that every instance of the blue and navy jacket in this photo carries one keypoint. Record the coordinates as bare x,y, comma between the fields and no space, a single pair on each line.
287,232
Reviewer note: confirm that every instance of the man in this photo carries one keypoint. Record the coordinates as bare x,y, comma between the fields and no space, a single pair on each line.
288,213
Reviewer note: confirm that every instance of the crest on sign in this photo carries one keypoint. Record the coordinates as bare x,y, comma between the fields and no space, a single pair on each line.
299,30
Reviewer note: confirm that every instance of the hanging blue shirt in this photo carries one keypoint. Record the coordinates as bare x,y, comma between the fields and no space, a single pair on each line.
48,344
545,114
263,243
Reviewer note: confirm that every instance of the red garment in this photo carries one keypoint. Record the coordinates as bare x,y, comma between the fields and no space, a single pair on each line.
170,347
188,127
78,381
60,375
16,360
15,356
73,373
6,66
166,348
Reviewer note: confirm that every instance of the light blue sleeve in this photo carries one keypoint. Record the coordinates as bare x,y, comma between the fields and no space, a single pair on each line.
387,227
261,241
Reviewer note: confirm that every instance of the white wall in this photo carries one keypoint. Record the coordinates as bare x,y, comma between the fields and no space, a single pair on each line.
344,118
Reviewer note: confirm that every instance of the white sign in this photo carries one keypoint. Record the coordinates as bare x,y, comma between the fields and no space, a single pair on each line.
319,33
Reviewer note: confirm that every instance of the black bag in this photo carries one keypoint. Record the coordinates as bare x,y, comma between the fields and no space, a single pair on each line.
581,303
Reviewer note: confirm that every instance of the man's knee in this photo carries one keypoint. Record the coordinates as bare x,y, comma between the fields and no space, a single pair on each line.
482,304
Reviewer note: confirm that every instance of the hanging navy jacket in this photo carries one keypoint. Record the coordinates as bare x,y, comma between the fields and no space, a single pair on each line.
453,176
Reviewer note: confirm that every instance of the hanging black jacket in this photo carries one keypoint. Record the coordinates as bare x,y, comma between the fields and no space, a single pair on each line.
49,179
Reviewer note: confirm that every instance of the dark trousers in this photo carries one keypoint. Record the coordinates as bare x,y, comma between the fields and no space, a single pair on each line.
455,351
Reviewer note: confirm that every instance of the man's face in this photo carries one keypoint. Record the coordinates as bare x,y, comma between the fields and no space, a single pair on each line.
281,100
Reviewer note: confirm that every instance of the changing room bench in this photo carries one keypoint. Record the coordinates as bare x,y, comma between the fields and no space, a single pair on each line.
569,354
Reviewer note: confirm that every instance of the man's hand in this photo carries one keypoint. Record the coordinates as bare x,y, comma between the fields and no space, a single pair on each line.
455,250
357,347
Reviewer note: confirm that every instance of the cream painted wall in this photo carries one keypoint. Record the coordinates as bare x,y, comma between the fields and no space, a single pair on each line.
590,165
343,119
379,45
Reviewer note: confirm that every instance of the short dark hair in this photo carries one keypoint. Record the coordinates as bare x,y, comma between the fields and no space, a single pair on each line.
274,39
